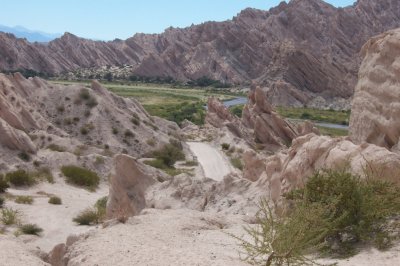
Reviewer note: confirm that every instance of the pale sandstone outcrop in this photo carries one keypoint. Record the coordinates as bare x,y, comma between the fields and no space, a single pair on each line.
260,125
128,184
376,105
289,169
15,139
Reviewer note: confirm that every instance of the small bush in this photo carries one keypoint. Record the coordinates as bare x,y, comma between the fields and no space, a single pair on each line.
60,108
24,200
20,178
87,217
43,173
191,163
81,176
91,102
84,94
30,229
129,134
3,184
225,146
237,163
135,121
55,200
101,206
169,154
151,142
9,216
115,131
84,130
2,200
57,148
24,156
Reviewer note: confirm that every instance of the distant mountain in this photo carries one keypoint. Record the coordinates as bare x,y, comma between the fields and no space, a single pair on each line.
299,50
30,35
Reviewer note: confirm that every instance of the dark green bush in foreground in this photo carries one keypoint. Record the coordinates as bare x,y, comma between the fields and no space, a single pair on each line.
80,176
334,212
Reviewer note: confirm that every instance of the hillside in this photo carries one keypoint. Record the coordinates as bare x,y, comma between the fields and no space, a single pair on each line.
299,50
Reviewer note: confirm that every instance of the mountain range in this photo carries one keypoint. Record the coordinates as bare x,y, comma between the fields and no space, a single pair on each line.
299,50
30,35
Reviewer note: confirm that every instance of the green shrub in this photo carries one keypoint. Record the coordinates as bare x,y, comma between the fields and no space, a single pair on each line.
129,134
24,200
84,130
87,217
2,200
30,229
101,206
84,94
9,216
24,156
43,173
191,163
135,121
169,154
57,148
81,176
3,184
225,146
55,200
115,131
237,163
151,142
20,178
334,212
91,102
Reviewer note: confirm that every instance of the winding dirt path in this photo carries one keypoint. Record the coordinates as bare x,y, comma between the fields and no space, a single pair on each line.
214,164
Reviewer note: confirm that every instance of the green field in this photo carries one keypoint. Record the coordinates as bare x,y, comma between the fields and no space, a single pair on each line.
317,115
166,101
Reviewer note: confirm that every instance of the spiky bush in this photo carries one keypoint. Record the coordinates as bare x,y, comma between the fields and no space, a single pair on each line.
30,229
81,176
9,216
3,184
24,200
20,178
333,213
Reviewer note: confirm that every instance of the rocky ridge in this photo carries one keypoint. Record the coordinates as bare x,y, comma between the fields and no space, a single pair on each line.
299,50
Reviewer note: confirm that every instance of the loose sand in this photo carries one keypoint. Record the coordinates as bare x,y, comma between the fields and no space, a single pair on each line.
55,220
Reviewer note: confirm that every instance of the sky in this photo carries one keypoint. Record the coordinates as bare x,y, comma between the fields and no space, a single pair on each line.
110,19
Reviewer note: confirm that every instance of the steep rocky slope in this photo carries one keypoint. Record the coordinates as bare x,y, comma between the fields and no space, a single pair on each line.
38,117
376,105
299,50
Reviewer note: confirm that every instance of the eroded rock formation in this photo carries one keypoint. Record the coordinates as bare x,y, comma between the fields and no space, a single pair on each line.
128,185
376,106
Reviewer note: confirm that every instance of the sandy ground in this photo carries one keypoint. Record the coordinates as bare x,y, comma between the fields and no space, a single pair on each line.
162,237
214,164
371,257
55,220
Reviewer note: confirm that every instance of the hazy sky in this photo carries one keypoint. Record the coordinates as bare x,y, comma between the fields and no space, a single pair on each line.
110,19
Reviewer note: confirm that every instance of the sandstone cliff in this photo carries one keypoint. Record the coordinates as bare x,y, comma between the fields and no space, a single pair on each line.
376,105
